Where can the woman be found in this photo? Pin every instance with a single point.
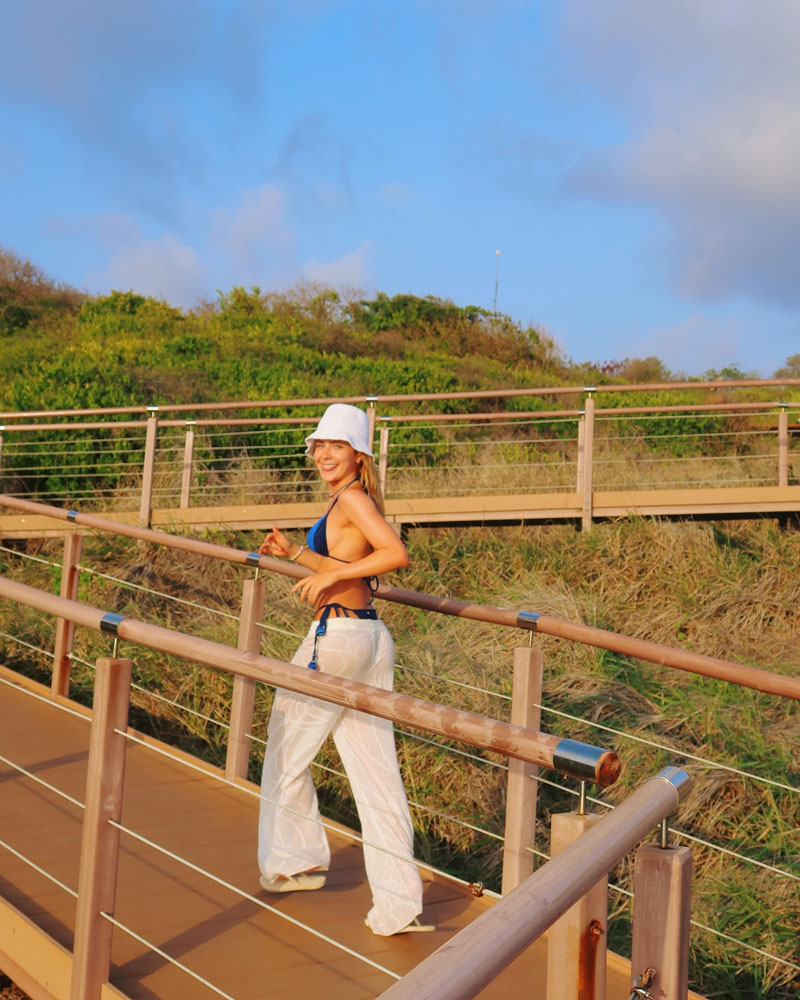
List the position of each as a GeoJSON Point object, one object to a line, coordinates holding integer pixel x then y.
{"type": "Point", "coordinates": [349, 546]}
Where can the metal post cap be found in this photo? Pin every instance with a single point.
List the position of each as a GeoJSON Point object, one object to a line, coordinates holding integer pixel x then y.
{"type": "Point", "coordinates": [678, 778]}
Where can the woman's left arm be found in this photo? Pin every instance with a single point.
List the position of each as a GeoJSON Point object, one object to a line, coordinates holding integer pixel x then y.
{"type": "Point", "coordinates": [388, 551]}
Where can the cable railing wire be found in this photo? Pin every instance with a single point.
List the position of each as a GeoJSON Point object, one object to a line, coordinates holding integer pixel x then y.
{"type": "Point", "coordinates": [422, 807]}
{"type": "Point", "coordinates": [40, 781]}
{"type": "Point", "coordinates": [167, 958]}
{"type": "Point", "coordinates": [60, 705]}
{"type": "Point", "coordinates": [130, 585]}
{"type": "Point", "coordinates": [246, 895]}
{"type": "Point", "coordinates": [37, 868]}
{"type": "Point", "coordinates": [155, 696]}
{"type": "Point", "coordinates": [669, 749]}
{"type": "Point", "coordinates": [30, 557]}
{"type": "Point", "coordinates": [27, 645]}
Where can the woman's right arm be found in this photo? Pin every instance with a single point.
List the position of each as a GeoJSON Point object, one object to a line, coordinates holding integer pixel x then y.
{"type": "Point", "coordinates": [277, 544]}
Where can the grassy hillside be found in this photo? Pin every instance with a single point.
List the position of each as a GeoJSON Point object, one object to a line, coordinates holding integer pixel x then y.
{"type": "Point", "coordinates": [62, 349]}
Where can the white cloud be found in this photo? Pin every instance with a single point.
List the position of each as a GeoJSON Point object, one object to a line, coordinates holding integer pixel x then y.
{"type": "Point", "coordinates": [347, 271]}
{"type": "Point", "coordinates": [257, 231]}
{"type": "Point", "coordinates": [130, 79]}
{"type": "Point", "coordinates": [694, 345]}
{"type": "Point", "coordinates": [164, 269]}
{"type": "Point", "coordinates": [711, 94]}
{"type": "Point", "coordinates": [398, 197]}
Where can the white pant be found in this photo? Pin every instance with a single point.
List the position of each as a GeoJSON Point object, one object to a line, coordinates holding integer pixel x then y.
{"type": "Point", "coordinates": [292, 840]}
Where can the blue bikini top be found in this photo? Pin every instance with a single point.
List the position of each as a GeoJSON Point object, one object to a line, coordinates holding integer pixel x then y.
{"type": "Point", "coordinates": [317, 538]}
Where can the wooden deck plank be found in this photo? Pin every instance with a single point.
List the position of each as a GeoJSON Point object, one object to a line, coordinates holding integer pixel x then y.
{"type": "Point", "coordinates": [241, 947]}
{"type": "Point", "coordinates": [428, 510]}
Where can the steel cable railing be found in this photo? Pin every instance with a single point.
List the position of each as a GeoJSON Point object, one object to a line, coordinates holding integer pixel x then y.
{"type": "Point", "coordinates": [542, 430]}
{"type": "Point", "coordinates": [445, 681]}
{"type": "Point", "coordinates": [674, 751]}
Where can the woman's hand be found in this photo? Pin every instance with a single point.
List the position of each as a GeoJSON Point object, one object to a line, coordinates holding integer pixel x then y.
{"type": "Point", "coordinates": [276, 544]}
{"type": "Point", "coordinates": [313, 587]}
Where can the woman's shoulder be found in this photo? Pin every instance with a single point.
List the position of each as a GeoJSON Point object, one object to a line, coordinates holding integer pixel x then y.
{"type": "Point", "coordinates": [355, 502]}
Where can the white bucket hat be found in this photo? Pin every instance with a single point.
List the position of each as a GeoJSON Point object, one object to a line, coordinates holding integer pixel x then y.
{"type": "Point", "coordinates": [342, 422]}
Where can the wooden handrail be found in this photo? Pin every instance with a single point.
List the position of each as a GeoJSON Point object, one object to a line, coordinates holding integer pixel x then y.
{"type": "Point", "coordinates": [680, 659]}
{"type": "Point", "coordinates": [550, 390]}
{"type": "Point", "coordinates": [464, 965]}
{"type": "Point", "coordinates": [767, 406]}
{"type": "Point", "coordinates": [577, 760]}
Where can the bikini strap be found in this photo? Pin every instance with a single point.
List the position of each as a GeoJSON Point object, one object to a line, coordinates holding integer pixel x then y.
{"type": "Point", "coordinates": [340, 612]}
{"type": "Point", "coordinates": [339, 493]}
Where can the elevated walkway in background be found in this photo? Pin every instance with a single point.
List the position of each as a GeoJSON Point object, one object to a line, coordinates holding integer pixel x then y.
{"type": "Point", "coordinates": [714, 450]}
{"type": "Point", "coordinates": [242, 948]}
{"type": "Point", "coordinates": [515, 508]}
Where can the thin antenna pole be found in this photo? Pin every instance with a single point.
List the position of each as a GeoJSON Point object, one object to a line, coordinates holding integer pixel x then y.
{"type": "Point", "coordinates": [496, 279]}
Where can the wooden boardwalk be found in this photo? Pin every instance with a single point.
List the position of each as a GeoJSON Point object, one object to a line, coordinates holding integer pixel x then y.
{"type": "Point", "coordinates": [515, 508]}
{"type": "Point", "coordinates": [242, 948]}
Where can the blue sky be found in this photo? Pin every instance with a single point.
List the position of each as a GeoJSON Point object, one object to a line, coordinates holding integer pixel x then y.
{"type": "Point", "coordinates": [636, 164]}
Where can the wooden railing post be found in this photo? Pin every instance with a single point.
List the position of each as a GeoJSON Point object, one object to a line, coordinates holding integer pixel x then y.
{"type": "Point", "coordinates": [662, 883]}
{"type": "Point", "coordinates": [588, 448]}
{"type": "Point", "coordinates": [576, 943]}
{"type": "Point", "coordinates": [237, 759]}
{"type": "Point", "coordinates": [520, 827]}
{"type": "Point", "coordinates": [581, 459]}
{"type": "Point", "coordinates": [783, 448]}
{"type": "Point", "coordinates": [146, 504]}
{"type": "Point", "coordinates": [97, 881]}
{"type": "Point", "coordinates": [371, 416]}
{"type": "Point", "coordinates": [188, 455]}
{"type": "Point", "coordinates": [65, 630]}
{"type": "Point", "coordinates": [383, 458]}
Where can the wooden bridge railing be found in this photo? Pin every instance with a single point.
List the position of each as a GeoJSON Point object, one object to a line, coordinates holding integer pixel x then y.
{"type": "Point", "coordinates": [560, 455]}
{"type": "Point", "coordinates": [462, 967]}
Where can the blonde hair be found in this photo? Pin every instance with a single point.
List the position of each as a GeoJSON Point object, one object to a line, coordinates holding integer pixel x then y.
{"type": "Point", "coordinates": [368, 477]}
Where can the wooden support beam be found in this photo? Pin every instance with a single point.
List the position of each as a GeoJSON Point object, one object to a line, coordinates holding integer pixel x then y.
{"type": "Point", "coordinates": [576, 943]}
{"type": "Point", "coordinates": [65, 629]}
{"type": "Point", "coordinates": [520, 826]}
{"type": "Point", "coordinates": [783, 448]}
{"type": "Point", "coordinates": [662, 885]}
{"type": "Point", "coordinates": [97, 882]}
{"type": "Point", "coordinates": [186, 476]}
{"type": "Point", "coordinates": [237, 760]}
{"type": "Point", "coordinates": [148, 469]}
{"type": "Point", "coordinates": [587, 478]}
{"type": "Point", "coordinates": [383, 458]}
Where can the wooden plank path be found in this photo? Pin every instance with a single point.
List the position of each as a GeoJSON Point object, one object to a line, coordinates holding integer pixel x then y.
{"type": "Point", "coordinates": [243, 949]}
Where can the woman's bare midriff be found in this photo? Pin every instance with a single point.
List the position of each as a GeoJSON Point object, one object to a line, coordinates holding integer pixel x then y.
{"type": "Point", "coordinates": [349, 593]}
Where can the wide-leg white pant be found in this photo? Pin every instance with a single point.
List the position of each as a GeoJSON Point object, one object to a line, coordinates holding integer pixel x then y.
{"type": "Point", "coordinates": [290, 836]}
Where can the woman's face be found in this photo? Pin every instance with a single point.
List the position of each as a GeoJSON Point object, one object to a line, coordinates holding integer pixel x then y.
{"type": "Point", "coordinates": [337, 461]}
